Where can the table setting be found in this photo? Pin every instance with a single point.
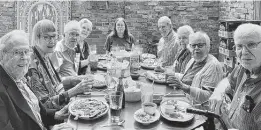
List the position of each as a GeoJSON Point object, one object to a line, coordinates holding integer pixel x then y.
{"type": "Point", "coordinates": [150, 103]}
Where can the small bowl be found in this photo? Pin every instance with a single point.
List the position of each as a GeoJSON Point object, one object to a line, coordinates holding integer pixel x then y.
{"type": "Point", "coordinates": [149, 107]}
{"type": "Point", "coordinates": [135, 76]}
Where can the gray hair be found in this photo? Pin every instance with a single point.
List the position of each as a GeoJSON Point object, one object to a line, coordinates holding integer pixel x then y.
{"type": "Point", "coordinates": [202, 36]}
{"type": "Point", "coordinates": [10, 40]}
{"type": "Point", "coordinates": [85, 20]}
{"type": "Point", "coordinates": [72, 25]}
{"type": "Point", "coordinates": [165, 19]}
{"type": "Point", "coordinates": [185, 29]}
{"type": "Point", "coordinates": [247, 30]}
{"type": "Point", "coordinates": [41, 27]}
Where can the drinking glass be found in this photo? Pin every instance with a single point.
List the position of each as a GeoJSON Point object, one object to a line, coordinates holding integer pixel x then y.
{"type": "Point", "coordinates": [147, 93]}
{"type": "Point", "coordinates": [93, 49]}
{"type": "Point", "coordinates": [115, 99]}
{"type": "Point", "coordinates": [93, 62]}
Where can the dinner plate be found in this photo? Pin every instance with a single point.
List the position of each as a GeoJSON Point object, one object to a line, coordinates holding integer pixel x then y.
{"type": "Point", "coordinates": [83, 107]}
{"type": "Point", "coordinates": [99, 80]}
{"type": "Point", "coordinates": [148, 66]}
{"type": "Point", "coordinates": [156, 76]}
{"type": "Point", "coordinates": [138, 117]}
{"type": "Point", "coordinates": [147, 56]}
{"type": "Point", "coordinates": [179, 115]}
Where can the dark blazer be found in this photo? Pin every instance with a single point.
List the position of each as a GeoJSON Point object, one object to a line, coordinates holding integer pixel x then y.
{"type": "Point", "coordinates": [15, 113]}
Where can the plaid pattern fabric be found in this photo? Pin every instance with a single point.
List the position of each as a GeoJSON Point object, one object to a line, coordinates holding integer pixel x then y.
{"type": "Point", "coordinates": [31, 100]}
{"type": "Point", "coordinates": [168, 49]}
{"type": "Point", "coordinates": [241, 84]}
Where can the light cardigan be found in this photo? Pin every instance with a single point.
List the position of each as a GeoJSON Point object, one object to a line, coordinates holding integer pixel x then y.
{"type": "Point", "coordinates": [205, 80]}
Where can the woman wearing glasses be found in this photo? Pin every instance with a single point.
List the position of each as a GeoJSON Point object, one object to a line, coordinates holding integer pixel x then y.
{"type": "Point", "coordinates": [202, 72]}
{"type": "Point", "coordinates": [119, 37]}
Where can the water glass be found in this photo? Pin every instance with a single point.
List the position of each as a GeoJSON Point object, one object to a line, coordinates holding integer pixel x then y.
{"type": "Point", "coordinates": [147, 93]}
{"type": "Point", "coordinates": [93, 49]}
{"type": "Point", "coordinates": [93, 62]}
{"type": "Point", "coordinates": [115, 99]}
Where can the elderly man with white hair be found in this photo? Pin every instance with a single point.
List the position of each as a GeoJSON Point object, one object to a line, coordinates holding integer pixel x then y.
{"type": "Point", "coordinates": [65, 58]}
{"type": "Point", "coordinates": [243, 84]}
{"type": "Point", "coordinates": [202, 72]}
{"type": "Point", "coordinates": [167, 46]}
{"type": "Point", "coordinates": [19, 107]}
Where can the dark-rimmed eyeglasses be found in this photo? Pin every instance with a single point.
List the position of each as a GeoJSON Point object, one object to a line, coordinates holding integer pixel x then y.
{"type": "Point", "coordinates": [199, 45]}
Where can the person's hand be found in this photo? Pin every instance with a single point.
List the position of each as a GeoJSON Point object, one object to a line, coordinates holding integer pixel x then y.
{"type": "Point", "coordinates": [63, 126]}
{"type": "Point", "coordinates": [173, 81]}
{"type": "Point", "coordinates": [62, 114]}
{"type": "Point", "coordinates": [216, 100]}
{"type": "Point", "coordinates": [84, 86]}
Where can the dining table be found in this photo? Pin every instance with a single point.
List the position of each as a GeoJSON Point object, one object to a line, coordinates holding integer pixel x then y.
{"type": "Point", "coordinates": [127, 113]}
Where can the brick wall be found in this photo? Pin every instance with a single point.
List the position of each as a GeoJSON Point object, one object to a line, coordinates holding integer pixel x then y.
{"type": "Point", "coordinates": [142, 18]}
{"type": "Point", "coordinates": [237, 10]}
{"type": "Point", "coordinates": [7, 17]}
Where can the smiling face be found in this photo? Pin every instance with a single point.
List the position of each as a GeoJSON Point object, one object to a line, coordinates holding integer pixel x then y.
{"type": "Point", "coordinates": [164, 28]}
{"type": "Point", "coordinates": [249, 58]}
{"type": "Point", "coordinates": [86, 29]}
{"type": "Point", "coordinates": [120, 27]}
{"type": "Point", "coordinates": [47, 42]}
{"type": "Point", "coordinates": [17, 60]}
{"type": "Point", "coordinates": [72, 38]}
{"type": "Point", "coordinates": [183, 39]}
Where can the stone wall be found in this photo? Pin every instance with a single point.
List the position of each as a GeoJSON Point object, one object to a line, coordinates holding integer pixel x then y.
{"type": "Point", "coordinates": [7, 17]}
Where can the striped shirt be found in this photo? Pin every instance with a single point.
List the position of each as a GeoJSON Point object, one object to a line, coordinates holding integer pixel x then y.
{"type": "Point", "coordinates": [241, 84]}
{"type": "Point", "coordinates": [168, 49]}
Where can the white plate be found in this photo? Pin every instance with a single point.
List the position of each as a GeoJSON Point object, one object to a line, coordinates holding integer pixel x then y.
{"type": "Point", "coordinates": [87, 100]}
{"type": "Point", "coordinates": [147, 66]}
{"type": "Point", "coordinates": [155, 76]}
{"type": "Point", "coordinates": [153, 119]}
{"type": "Point", "coordinates": [185, 116]}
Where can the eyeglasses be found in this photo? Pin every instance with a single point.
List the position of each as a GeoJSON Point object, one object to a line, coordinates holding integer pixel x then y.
{"type": "Point", "coordinates": [199, 45]}
{"type": "Point", "coordinates": [74, 34]}
{"type": "Point", "coordinates": [21, 52]}
{"type": "Point", "coordinates": [49, 38]}
{"type": "Point", "coordinates": [249, 46]}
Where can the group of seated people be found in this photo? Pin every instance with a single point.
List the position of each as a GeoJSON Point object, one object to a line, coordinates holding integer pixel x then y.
{"type": "Point", "coordinates": [38, 79]}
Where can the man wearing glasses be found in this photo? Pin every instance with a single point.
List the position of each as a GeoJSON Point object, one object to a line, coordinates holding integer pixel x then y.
{"type": "Point", "coordinates": [243, 84]}
{"type": "Point", "coordinates": [202, 72]}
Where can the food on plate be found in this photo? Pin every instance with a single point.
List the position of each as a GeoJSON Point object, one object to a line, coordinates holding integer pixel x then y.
{"type": "Point", "coordinates": [88, 108]}
{"type": "Point", "coordinates": [145, 117]}
{"type": "Point", "coordinates": [158, 77]}
{"type": "Point", "coordinates": [150, 62]}
{"type": "Point", "coordinates": [99, 80]}
{"type": "Point", "coordinates": [174, 110]}
{"type": "Point", "coordinates": [147, 56]}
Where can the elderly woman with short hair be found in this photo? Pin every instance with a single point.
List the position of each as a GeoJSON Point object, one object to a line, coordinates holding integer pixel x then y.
{"type": "Point", "coordinates": [42, 77]}
{"type": "Point", "coordinates": [19, 107]}
{"type": "Point", "coordinates": [202, 72]}
{"type": "Point", "coordinates": [242, 111]}
{"type": "Point", "coordinates": [184, 55]}
{"type": "Point", "coordinates": [120, 36]}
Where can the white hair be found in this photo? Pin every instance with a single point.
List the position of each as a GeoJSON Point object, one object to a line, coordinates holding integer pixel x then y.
{"type": "Point", "coordinates": [85, 20]}
{"type": "Point", "coordinates": [199, 35]}
{"type": "Point", "coordinates": [10, 40]}
{"type": "Point", "coordinates": [247, 30]}
{"type": "Point", "coordinates": [72, 25]}
{"type": "Point", "coordinates": [185, 29]}
{"type": "Point", "coordinates": [165, 19]}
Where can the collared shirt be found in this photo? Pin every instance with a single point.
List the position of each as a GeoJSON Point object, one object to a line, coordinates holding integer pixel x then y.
{"type": "Point", "coordinates": [241, 84]}
{"type": "Point", "coordinates": [31, 100]}
{"type": "Point", "coordinates": [65, 61]}
{"type": "Point", "coordinates": [167, 49]}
